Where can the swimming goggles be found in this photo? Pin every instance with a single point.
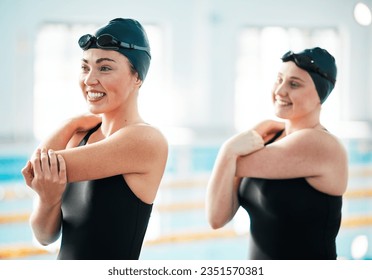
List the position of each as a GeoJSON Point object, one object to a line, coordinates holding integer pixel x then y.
{"type": "Point", "coordinates": [108, 42]}
{"type": "Point", "coordinates": [307, 63]}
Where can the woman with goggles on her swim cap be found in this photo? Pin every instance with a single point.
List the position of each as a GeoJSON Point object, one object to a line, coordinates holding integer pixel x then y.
{"type": "Point", "coordinates": [290, 176]}
{"type": "Point", "coordinates": [97, 176]}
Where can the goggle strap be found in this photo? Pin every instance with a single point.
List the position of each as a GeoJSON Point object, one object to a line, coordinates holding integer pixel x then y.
{"type": "Point", "coordinates": [296, 58]}
{"type": "Point", "coordinates": [133, 46]}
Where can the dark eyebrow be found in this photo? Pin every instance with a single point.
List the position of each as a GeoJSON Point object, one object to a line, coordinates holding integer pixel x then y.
{"type": "Point", "coordinates": [100, 60]}
{"type": "Point", "coordinates": [297, 78]}
{"type": "Point", "coordinates": [104, 59]}
{"type": "Point", "coordinates": [292, 77]}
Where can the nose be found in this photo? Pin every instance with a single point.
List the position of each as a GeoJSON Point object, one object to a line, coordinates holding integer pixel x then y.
{"type": "Point", "coordinates": [280, 89]}
{"type": "Point", "coordinates": [90, 78]}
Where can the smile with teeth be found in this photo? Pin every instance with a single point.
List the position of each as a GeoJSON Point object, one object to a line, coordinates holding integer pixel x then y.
{"type": "Point", "coordinates": [282, 102]}
{"type": "Point", "coordinates": [95, 95]}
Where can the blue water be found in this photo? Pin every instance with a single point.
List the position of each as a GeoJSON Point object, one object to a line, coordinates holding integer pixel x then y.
{"type": "Point", "coordinates": [10, 167]}
{"type": "Point", "coordinates": [15, 233]}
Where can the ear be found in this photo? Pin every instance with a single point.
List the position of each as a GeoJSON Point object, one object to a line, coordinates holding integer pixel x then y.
{"type": "Point", "coordinates": [138, 82]}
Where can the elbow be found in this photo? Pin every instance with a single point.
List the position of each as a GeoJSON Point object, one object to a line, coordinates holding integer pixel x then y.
{"type": "Point", "coordinates": [47, 240]}
{"type": "Point", "coordinates": [216, 224]}
{"type": "Point", "coordinates": [45, 237]}
{"type": "Point", "coordinates": [215, 221]}
{"type": "Point", "coordinates": [44, 242]}
{"type": "Point", "coordinates": [217, 217]}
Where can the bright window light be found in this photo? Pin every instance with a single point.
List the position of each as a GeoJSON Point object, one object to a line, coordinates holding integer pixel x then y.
{"type": "Point", "coordinates": [359, 247]}
{"type": "Point", "coordinates": [362, 14]}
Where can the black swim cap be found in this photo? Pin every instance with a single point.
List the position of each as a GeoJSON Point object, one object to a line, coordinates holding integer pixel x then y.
{"type": "Point", "coordinates": [125, 36]}
{"type": "Point", "coordinates": [320, 65]}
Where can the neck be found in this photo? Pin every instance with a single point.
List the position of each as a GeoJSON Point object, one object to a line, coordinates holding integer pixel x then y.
{"type": "Point", "coordinates": [309, 121]}
{"type": "Point", "coordinates": [113, 121]}
{"type": "Point", "coordinates": [110, 126]}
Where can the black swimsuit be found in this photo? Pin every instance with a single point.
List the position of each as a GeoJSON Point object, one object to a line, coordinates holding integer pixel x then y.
{"type": "Point", "coordinates": [102, 219]}
{"type": "Point", "coordinates": [290, 219]}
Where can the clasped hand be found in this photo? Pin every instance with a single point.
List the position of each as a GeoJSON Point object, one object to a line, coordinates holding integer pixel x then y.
{"type": "Point", "coordinates": [253, 140]}
{"type": "Point", "coordinates": [244, 143]}
{"type": "Point", "coordinates": [45, 173]}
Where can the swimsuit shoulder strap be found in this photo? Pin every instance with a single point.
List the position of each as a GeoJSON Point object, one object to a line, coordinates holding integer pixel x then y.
{"type": "Point", "coordinates": [276, 136]}
{"type": "Point", "coordinates": [90, 132]}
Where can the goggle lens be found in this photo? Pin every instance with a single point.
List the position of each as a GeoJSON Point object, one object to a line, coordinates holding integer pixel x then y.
{"type": "Point", "coordinates": [85, 41]}
{"type": "Point", "coordinates": [108, 42]}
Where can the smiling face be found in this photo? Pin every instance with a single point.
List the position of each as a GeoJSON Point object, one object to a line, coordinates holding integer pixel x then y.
{"type": "Point", "coordinates": [294, 93]}
{"type": "Point", "coordinates": [107, 80]}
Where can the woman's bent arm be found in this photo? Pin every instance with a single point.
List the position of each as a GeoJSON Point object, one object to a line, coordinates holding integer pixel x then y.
{"type": "Point", "coordinates": [222, 197]}
{"type": "Point", "coordinates": [61, 138]}
{"type": "Point", "coordinates": [46, 175]}
{"type": "Point", "coordinates": [45, 221]}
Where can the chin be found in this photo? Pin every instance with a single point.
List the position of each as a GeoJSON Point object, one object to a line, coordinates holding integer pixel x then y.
{"type": "Point", "coordinates": [281, 115]}
{"type": "Point", "coordinates": [94, 111]}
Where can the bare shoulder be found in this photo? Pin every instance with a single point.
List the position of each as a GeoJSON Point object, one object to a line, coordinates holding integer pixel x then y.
{"type": "Point", "coordinates": [148, 156]}
{"type": "Point", "coordinates": [321, 144]}
{"type": "Point", "coordinates": [320, 139]}
{"type": "Point", "coordinates": [145, 132]}
{"type": "Point", "coordinates": [334, 162]}
{"type": "Point", "coordinates": [144, 136]}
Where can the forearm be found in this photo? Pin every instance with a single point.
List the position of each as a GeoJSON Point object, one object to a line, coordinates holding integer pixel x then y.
{"type": "Point", "coordinates": [60, 139]}
{"type": "Point", "coordinates": [222, 200]}
{"type": "Point", "coordinates": [46, 222]}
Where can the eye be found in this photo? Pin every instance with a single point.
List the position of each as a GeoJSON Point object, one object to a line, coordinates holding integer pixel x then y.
{"type": "Point", "coordinates": [294, 84]}
{"type": "Point", "coordinates": [84, 68]}
{"type": "Point", "coordinates": [279, 80]}
{"type": "Point", "coordinates": [105, 68]}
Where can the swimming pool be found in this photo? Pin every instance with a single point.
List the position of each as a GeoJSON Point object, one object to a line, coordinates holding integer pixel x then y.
{"type": "Point", "coordinates": [178, 228]}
